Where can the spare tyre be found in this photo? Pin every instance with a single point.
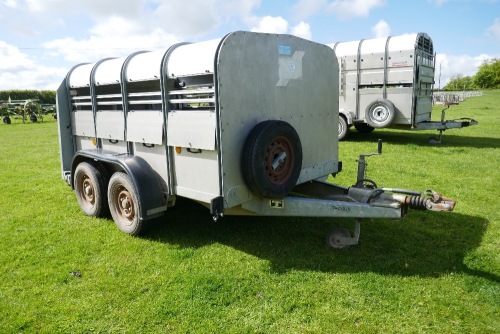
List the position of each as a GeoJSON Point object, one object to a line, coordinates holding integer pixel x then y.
{"type": "Point", "coordinates": [380, 113]}
{"type": "Point", "coordinates": [272, 159]}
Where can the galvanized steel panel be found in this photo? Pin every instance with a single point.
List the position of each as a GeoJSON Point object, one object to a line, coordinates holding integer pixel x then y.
{"type": "Point", "coordinates": [80, 76]}
{"type": "Point", "coordinates": [191, 59]}
{"type": "Point", "coordinates": [110, 125]}
{"type": "Point", "coordinates": [145, 127]}
{"type": "Point", "coordinates": [82, 123]}
{"type": "Point", "coordinates": [192, 129]}
{"type": "Point", "coordinates": [282, 77]}
{"type": "Point", "coordinates": [145, 66]}
{"type": "Point", "coordinates": [109, 71]}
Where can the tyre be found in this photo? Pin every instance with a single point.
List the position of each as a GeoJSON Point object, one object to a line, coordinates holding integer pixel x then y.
{"type": "Point", "coordinates": [90, 189]}
{"type": "Point", "coordinates": [124, 203]}
{"type": "Point", "coordinates": [363, 128]}
{"type": "Point", "coordinates": [272, 159]}
{"type": "Point", "coordinates": [6, 120]}
{"type": "Point", "coordinates": [334, 238]}
{"type": "Point", "coordinates": [343, 127]}
{"type": "Point", "coordinates": [380, 113]}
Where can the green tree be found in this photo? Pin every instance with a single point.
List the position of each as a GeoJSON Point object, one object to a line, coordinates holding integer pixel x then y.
{"type": "Point", "coordinates": [488, 75]}
{"type": "Point", "coordinates": [459, 82]}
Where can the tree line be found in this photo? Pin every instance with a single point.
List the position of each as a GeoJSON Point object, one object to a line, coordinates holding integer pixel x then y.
{"type": "Point", "coordinates": [487, 77]}
{"type": "Point", "coordinates": [43, 96]}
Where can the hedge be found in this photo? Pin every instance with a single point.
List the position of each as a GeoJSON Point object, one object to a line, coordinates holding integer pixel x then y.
{"type": "Point", "coordinates": [43, 96]}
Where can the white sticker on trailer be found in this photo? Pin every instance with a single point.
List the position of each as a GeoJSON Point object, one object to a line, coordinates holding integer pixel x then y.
{"type": "Point", "coordinates": [290, 68]}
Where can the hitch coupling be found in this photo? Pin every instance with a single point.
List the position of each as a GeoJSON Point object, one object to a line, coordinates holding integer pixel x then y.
{"type": "Point", "coordinates": [431, 200]}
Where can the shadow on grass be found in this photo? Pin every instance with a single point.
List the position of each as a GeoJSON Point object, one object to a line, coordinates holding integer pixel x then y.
{"type": "Point", "coordinates": [423, 244]}
{"type": "Point", "coordinates": [419, 138]}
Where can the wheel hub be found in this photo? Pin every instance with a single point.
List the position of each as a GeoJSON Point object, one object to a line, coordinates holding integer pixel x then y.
{"type": "Point", "coordinates": [88, 190]}
{"type": "Point", "coordinates": [126, 204]}
{"type": "Point", "coordinates": [380, 114]}
{"type": "Point", "coordinates": [278, 160]}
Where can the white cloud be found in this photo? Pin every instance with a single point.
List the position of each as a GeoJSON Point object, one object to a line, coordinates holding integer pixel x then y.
{"type": "Point", "coordinates": [302, 30]}
{"type": "Point", "coordinates": [381, 29]}
{"type": "Point", "coordinates": [438, 2]}
{"type": "Point", "coordinates": [19, 71]}
{"type": "Point", "coordinates": [108, 40]}
{"type": "Point", "coordinates": [278, 25]}
{"type": "Point", "coordinates": [343, 9]}
{"type": "Point", "coordinates": [272, 24]}
{"type": "Point", "coordinates": [494, 29]}
{"type": "Point", "coordinates": [10, 3]}
{"type": "Point", "coordinates": [307, 8]}
{"type": "Point", "coordinates": [346, 9]}
{"type": "Point", "coordinates": [450, 66]}
{"type": "Point", "coordinates": [197, 17]}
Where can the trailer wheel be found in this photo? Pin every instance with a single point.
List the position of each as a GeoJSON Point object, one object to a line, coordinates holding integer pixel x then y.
{"type": "Point", "coordinates": [334, 238]}
{"type": "Point", "coordinates": [343, 127]}
{"type": "Point", "coordinates": [363, 128]}
{"type": "Point", "coordinates": [272, 159]}
{"type": "Point", "coordinates": [124, 203]}
{"type": "Point", "coordinates": [90, 189]}
{"type": "Point", "coordinates": [6, 120]}
{"type": "Point", "coordinates": [380, 113]}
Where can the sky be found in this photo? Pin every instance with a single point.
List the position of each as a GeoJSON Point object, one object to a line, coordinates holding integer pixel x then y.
{"type": "Point", "coordinates": [41, 40]}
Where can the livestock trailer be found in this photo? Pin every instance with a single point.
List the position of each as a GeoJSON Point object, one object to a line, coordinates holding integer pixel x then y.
{"type": "Point", "coordinates": [388, 82]}
{"type": "Point", "coordinates": [240, 124]}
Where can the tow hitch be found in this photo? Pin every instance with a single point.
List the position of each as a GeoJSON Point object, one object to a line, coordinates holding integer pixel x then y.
{"type": "Point", "coordinates": [366, 191]}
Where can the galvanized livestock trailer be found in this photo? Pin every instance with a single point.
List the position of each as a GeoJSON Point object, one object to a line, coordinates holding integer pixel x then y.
{"type": "Point", "coordinates": [389, 82]}
{"type": "Point", "coordinates": [241, 124]}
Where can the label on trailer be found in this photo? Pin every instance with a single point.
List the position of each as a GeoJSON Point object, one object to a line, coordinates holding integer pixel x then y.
{"type": "Point", "coordinates": [285, 50]}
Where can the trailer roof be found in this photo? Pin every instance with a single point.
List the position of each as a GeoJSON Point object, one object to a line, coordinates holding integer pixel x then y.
{"type": "Point", "coordinates": [421, 40]}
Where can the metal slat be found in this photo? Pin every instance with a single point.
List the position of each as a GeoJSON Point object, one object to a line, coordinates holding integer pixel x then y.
{"type": "Point", "coordinates": [144, 94]}
{"type": "Point", "coordinates": [191, 91]}
{"type": "Point", "coordinates": [207, 100]}
{"type": "Point", "coordinates": [145, 102]}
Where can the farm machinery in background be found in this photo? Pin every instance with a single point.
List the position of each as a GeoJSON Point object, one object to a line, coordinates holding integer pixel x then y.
{"type": "Point", "coordinates": [29, 110]}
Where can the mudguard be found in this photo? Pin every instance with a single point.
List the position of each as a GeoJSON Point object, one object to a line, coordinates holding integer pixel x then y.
{"type": "Point", "coordinates": [152, 197]}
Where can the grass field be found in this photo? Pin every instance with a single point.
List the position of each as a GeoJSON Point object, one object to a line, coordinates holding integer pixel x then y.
{"type": "Point", "coordinates": [63, 272]}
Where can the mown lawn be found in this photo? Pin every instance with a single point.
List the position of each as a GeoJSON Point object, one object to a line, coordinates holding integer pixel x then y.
{"type": "Point", "coordinates": [63, 272]}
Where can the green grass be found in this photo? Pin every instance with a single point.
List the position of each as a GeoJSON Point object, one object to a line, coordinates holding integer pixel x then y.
{"type": "Point", "coordinates": [63, 272]}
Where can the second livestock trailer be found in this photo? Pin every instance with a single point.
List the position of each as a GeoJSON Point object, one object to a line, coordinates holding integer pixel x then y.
{"type": "Point", "coordinates": [388, 82]}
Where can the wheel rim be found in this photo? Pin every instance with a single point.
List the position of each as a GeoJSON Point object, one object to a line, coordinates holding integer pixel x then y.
{"type": "Point", "coordinates": [125, 205]}
{"type": "Point", "coordinates": [336, 236]}
{"type": "Point", "coordinates": [335, 241]}
{"type": "Point", "coordinates": [341, 129]}
{"type": "Point", "coordinates": [380, 114]}
{"type": "Point", "coordinates": [87, 191]}
{"type": "Point", "coordinates": [279, 160]}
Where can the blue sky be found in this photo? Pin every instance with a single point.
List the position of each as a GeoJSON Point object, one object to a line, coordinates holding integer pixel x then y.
{"type": "Point", "coordinates": [40, 40]}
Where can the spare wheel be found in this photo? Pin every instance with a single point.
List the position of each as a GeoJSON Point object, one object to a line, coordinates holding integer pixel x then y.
{"type": "Point", "coordinates": [380, 113]}
{"type": "Point", "coordinates": [272, 159]}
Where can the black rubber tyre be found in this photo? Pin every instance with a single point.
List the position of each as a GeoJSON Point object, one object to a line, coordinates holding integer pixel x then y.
{"type": "Point", "coordinates": [124, 203]}
{"type": "Point", "coordinates": [6, 120]}
{"type": "Point", "coordinates": [343, 127]}
{"type": "Point", "coordinates": [380, 113]}
{"type": "Point", "coordinates": [333, 238]}
{"type": "Point", "coordinates": [90, 189]}
{"type": "Point", "coordinates": [272, 159]}
{"type": "Point", "coordinates": [363, 128]}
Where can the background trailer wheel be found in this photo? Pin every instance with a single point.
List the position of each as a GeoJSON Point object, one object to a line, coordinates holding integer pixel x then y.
{"type": "Point", "coordinates": [90, 189]}
{"type": "Point", "coordinates": [124, 204]}
{"type": "Point", "coordinates": [380, 113]}
{"type": "Point", "coordinates": [272, 159]}
{"type": "Point", "coordinates": [343, 127]}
